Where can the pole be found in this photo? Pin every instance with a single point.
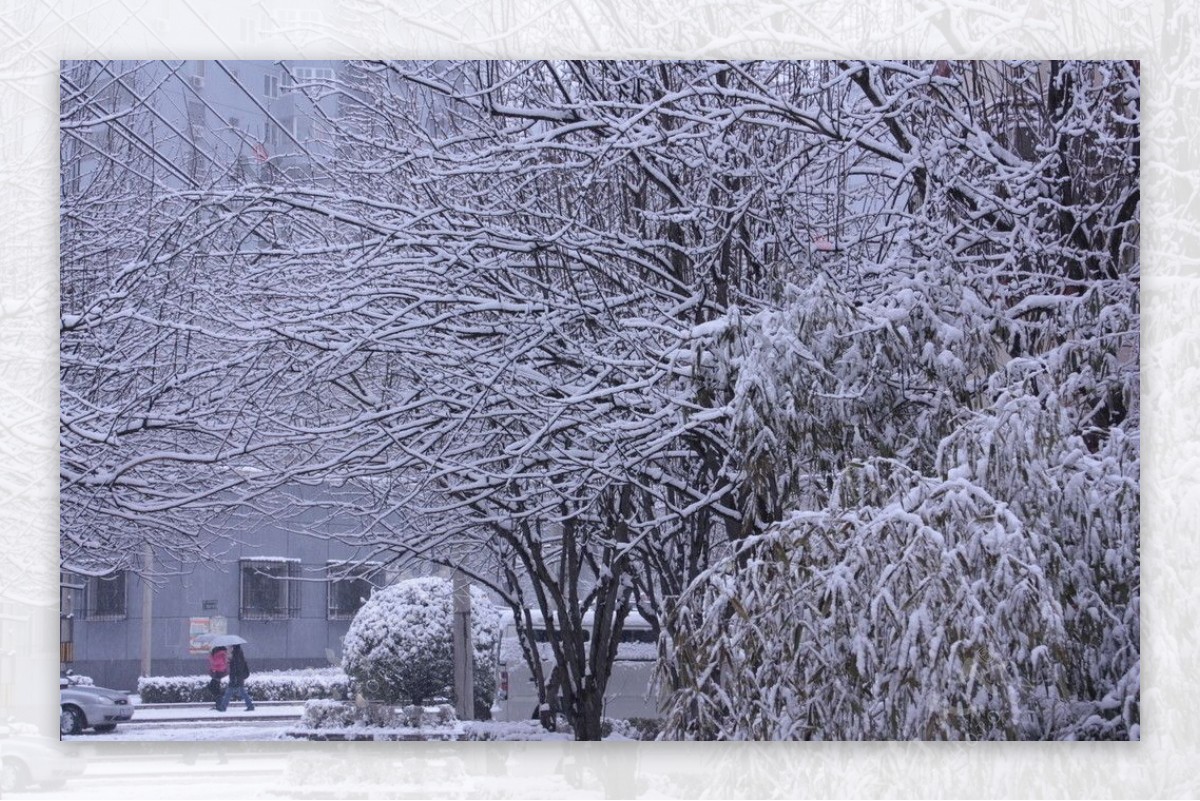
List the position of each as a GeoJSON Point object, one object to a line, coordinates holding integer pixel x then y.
{"type": "Point", "coordinates": [147, 607]}
{"type": "Point", "coordinates": [464, 651]}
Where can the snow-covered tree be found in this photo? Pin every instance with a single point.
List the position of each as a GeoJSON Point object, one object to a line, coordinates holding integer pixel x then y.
{"type": "Point", "coordinates": [600, 329]}
{"type": "Point", "coordinates": [951, 550]}
{"type": "Point", "coordinates": [179, 400]}
{"type": "Point", "coordinates": [133, 392]}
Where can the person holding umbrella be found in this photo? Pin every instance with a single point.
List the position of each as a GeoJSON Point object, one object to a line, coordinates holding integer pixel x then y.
{"type": "Point", "coordinates": [239, 671]}
{"type": "Point", "coordinates": [218, 668]}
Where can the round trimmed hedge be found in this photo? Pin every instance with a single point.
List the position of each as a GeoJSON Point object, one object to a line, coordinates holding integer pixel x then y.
{"type": "Point", "coordinates": [398, 647]}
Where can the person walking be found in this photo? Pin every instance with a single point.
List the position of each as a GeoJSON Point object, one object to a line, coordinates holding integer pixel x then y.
{"type": "Point", "coordinates": [218, 668]}
{"type": "Point", "coordinates": [239, 671]}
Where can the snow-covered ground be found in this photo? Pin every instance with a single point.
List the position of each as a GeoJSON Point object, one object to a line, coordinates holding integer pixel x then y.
{"type": "Point", "coordinates": [239, 731]}
{"type": "Point", "coordinates": [282, 721]}
{"type": "Point", "coordinates": [199, 712]}
{"type": "Point", "coordinates": [184, 722]}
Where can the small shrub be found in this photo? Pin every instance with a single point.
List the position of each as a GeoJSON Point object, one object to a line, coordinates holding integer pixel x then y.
{"type": "Point", "coordinates": [324, 713]}
{"type": "Point", "coordinates": [516, 731]}
{"type": "Point", "coordinates": [413, 715]}
{"type": "Point", "coordinates": [380, 716]}
{"type": "Point", "coordinates": [644, 728]}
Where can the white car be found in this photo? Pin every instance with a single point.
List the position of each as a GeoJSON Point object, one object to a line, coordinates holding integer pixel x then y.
{"type": "Point", "coordinates": [83, 706]}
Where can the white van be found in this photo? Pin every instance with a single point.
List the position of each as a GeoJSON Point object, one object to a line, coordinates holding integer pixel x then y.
{"type": "Point", "coordinates": [628, 692]}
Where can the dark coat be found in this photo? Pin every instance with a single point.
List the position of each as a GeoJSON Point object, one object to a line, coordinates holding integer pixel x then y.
{"type": "Point", "coordinates": [238, 669]}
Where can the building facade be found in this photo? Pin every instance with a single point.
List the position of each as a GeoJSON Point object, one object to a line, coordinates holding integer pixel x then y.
{"type": "Point", "coordinates": [289, 583]}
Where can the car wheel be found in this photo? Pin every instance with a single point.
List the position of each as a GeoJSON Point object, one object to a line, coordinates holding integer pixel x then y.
{"type": "Point", "coordinates": [70, 720]}
{"type": "Point", "coordinates": [13, 776]}
{"type": "Point", "coordinates": [104, 728]}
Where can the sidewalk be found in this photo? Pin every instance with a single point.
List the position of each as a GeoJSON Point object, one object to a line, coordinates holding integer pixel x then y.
{"type": "Point", "coordinates": [263, 710]}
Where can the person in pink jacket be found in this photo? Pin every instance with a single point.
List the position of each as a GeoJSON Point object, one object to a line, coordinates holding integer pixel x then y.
{"type": "Point", "coordinates": [218, 668]}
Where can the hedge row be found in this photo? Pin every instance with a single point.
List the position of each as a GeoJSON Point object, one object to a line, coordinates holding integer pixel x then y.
{"type": "Point", "coordinates": [332, 714]}
{"type": "Point", "coordinates": [383, 722]}
{"type": "Point", "coordinates": [275, 685]}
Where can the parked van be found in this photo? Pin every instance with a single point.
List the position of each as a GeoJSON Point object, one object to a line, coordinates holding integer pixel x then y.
{"type": "Point", "coordinates": [628, 692]}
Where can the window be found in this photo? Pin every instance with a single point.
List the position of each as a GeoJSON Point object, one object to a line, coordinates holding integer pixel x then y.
{"type": "Point", "coordinates": [540, 634]}
{"type": "Point", "coordinates": [305, 74]}
{"type": "Point", "coordinates": [349, 587]}
{"type": "Point", "coordinates": [268, 592]}
{"type": "Point", "coordinates": [271, 86]}
{"type": "Point", "coordinates": [106, 598]}
{"type": "Point", "coordinates": [638, 635]}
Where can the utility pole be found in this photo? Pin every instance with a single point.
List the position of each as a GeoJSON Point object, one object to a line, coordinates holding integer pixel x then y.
{"type": "Point", "coordinates": [147, 607]}
{"type": "Point", "coordinates": [464, 650]}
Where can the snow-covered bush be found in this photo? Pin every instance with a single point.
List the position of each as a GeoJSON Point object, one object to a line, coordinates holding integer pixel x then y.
{"type": "Point", "coordinates": [951, 548]}
{"type": "Point", "coordinates": [329, 714]}
{"type": "Point", "coordinates": [274, 685]}
{"type": "Point", "coordinates": [398, 647]}
{"type": "Point", "coordinates": [424, 717]}
{"type": "Point", "coordinates": [509, 731]}
{"type": "Point", "coordinates": [323, 713]}
{"type": "Point", "coordinates": [173, 689]}
{"type": "Point", "coordinates": [926, 619]}
{"type": "Point", "coordinates": [284, 685]}
{"type": "Point", "coordinates": [631, 728]}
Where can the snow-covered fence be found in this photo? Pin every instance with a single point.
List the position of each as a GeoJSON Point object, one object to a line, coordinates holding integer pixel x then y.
{"type": "Point", "coordinates": [276, 685]}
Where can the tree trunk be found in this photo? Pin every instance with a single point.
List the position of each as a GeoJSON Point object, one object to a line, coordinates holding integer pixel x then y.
{"type": "Point", "coordinates": [586, 713]}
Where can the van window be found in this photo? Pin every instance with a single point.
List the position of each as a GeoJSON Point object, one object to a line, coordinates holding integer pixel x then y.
{"type": "Point", "coordinates": [638, 635]}
{"type": "Point", "coordinates": [541, 635]}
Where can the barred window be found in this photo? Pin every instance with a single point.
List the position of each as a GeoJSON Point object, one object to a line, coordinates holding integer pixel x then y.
{"type": "Point", "coordinates": [313, 74]}
{"type": "Point", "coordinates": [268, 589]}
{"type": "Point", "coordinates": [350, 585]}
{"type": "Point", "coordinates": [106, 597]}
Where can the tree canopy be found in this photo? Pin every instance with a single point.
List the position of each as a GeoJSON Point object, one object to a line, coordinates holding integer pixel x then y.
{"type": "Point", "coordinates": [631, 334]}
